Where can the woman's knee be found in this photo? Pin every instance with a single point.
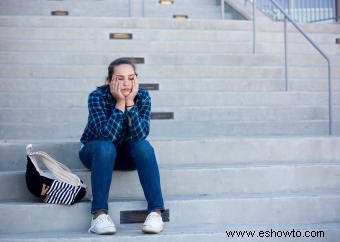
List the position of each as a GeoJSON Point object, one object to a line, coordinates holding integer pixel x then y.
{"type": "Point", "coordinates": [103, 150]}
{"type": "Point", "coordinates": [99, 152]}
{"type": "Point", "coordinates": [143, 154]}
{"type": "Point", "coordinates": [141, 147]}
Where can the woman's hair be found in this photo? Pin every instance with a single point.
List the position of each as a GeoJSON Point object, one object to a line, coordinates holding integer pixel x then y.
{"type": "Point", "coordinates": [117, 62]}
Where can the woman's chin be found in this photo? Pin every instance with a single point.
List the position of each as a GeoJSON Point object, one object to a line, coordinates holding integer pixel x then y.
{"type": "Point", "coordinates": [125, 94]}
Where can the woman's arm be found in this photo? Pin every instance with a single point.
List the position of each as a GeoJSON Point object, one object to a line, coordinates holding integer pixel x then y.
{"type": "Point", "coordinates": [139, 116]}
{"type": "Point", "coordinates": [108, 128]}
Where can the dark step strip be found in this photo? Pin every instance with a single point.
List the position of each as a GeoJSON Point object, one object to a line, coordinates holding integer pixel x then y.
{"type": "Point", "coordinates": [180, 16]}
{"type": "Point", "coordinates": [120, 36]}
{"type": "Point", "coordinates": [162, 115]}
{"type": "Point", "coordinates": [166, 2]}
{"type": "Point", "coordinates": [59, 13]}
{"type": "Point", "coordinates": [139, 216]}
{"type": "Point", "coordinates": [136, 60]}
{"type": "Point", "coordinates": [150, 86]}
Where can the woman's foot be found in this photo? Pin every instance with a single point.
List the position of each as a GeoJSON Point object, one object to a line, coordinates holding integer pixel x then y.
{"type": "Point", "coordinates": [153, 223]}
{"type": "Point", "coordinates": [102, 224]}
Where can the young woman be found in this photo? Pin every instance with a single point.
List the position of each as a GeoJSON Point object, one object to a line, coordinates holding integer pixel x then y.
{"type": "Point", "coordinates": [114, 139]}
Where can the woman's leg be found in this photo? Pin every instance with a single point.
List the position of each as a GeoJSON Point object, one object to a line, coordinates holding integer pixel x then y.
{"type": "Point", "coordinates": [142, 154]}
{"type": "Point", "coordinates": [99, 156]}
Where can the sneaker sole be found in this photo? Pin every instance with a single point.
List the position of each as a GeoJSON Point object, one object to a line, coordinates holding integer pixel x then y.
{"type": "Point", "coordinates": [151, 231]}
{"type": "Point", "coordinates": [104, 232]}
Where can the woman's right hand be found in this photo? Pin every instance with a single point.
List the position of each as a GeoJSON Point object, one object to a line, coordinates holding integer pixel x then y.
{"type": "Point", "coordinates": [117, 94]}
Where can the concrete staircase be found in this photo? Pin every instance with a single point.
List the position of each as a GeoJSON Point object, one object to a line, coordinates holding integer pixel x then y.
{"type": "Point", "coordinates": [216, 185]}
{"type": "Point", "coordinates": [206, 84]}
{"type": "Point", "coordinates": [240, 153]}
{"type": "Point", "coordinates": [196, 9]}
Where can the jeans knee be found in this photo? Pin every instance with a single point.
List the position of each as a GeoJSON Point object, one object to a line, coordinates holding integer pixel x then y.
{"type": "Point", "coordinates": [141, 148]}
{"type": "Point", "coordinates": [143, 154]}
{"type": "Point", "coordinates": [104, 151]}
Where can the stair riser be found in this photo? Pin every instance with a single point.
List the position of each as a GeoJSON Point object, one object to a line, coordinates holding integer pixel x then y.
{"type": "Point", "coordinates": [52, 218]}
{"type": "Point", "coordinates": [147, 23]}
{"type": "Point", "coordinates": [53, 58]}
{"type": "Point", "coordinates": [157, 47]}
{"type": "Point", "coordinates": [36, 116]}
{"type": "Point", "coordinates": [173, 130]}
{"type": "Point", "coordinates": [158, 35]}
{"type": "Point", "coordinates": [220, 236]}
{"type": "Point", "coordinates": [239, 150]}
{"type": "Point", "coordinates": [188, 85]}
{"type": "Point", "coordinates": [171, 99]}
{"type": "Point", "coordinates": [299, 178]}
{"type": "Point", "coordinates": [263, 72]}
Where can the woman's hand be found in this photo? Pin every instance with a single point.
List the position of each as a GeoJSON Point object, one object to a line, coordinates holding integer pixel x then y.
{"type": "Point", "coordinates": [116, 92]}
{"type": "Point", "coordinates": [129, 100]}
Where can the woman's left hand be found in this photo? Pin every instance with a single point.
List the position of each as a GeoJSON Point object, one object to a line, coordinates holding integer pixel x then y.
{"type": "Point", "coordinates": [129, 100]}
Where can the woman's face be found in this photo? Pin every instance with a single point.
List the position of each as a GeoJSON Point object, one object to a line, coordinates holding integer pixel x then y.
{"type": "Point", "coordinates": [124, 74]}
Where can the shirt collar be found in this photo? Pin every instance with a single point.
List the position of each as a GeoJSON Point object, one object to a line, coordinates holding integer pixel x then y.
{"type": "Point", "coordinates": [105, 91]}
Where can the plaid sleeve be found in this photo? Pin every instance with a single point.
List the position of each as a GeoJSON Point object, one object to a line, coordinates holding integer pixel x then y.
{"type": "Point", "coordinates": [105, 127]}
{"type": "Point", "coordinates": [139, 117]}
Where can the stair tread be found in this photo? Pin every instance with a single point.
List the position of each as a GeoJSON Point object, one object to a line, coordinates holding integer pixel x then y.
{"type": "Point", "coordinates": [188, 198]}
{"type": "Point", "coordinates": [134, 230]}
{"type": "Point", "coordinates": [208, 166]}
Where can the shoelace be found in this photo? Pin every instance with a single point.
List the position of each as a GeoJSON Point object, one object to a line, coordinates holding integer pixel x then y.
{"type": "Point", "coordinates": [101, 218]}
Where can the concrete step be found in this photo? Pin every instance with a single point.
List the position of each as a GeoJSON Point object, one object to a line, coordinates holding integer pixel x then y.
{"type": "Point", "coordinates": [249, 209]}
{"type": "Point", "coordinates": [249, 178]}
{"type": "Point", "coordinates": [73, 99]}
{"type": "Point", "coordinates": [112, 46]}
{"type": "Point", "coordinates": [81, 58]}
{"type": "Point", "coordinates": [181, 151]}
{"type": "Point", "coordinates": [32, 3]}
{"type": "Point", "coordinates": [166, 85]}
{"type": "Point", "coordinates": [296, 48]}
{"type": "Point", "coordinates": [102, 4]}
{"type": "Point", "coordinates": [57, 115]}
{"type": "Point", "coordinates": [183, 71]}
{"type": "Point", "coordinates": [177, 129]}
{"type": "Point", "coordinates": [198, 10]}
{"type": "Point", "coordinates": [237, 128]}
{"type": "Point", "coordinates": [23, 11]}
{"type": "Point", "coordinates": [159, 46]}
{"type": "Point", "coordinates": [58, 3]}
{"type": "Point", "coordinates": [228, 85]}
{"type": "Point", "coordinates": [147, 23]}
{"type": "Point", "coordinates": [180, 71]}
{"type": "Point", "coordinates": [213, 233]}
{"type": "Point", "coordinates": [143, 23]}
{"type": "Point", "coordinates": [100, 9]}
{"type": "Point", "coordinates": [139, 34]}
{"type": "Point", "coordinates": [148, 71]}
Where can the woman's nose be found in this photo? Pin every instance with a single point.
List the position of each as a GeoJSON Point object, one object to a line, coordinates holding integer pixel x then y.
{"type": "Point", "coordinates": [125, 82]}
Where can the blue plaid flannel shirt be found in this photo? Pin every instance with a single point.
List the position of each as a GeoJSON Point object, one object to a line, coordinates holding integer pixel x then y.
{"type": "Point", "coordinates": [105, 122]}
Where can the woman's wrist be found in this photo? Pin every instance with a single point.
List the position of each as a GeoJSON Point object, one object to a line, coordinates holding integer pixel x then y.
{"type": "Point", "coordinates": [120, 105]}
{"type": "Point", "coordinates": [129, 104]}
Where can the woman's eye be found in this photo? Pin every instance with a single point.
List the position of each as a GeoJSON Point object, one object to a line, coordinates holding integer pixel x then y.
{"type": "Point", "coordinates": [131, 78]}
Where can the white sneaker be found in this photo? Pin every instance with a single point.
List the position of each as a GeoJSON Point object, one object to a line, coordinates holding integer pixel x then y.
{"type": "Point", "coordinates": [103, 224]}
{"type": "Point", "coordinates": [153, 223]}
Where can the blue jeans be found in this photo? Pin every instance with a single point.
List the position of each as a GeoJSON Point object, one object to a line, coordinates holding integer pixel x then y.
{"type": "Point", "coordinates": [102, 157]}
